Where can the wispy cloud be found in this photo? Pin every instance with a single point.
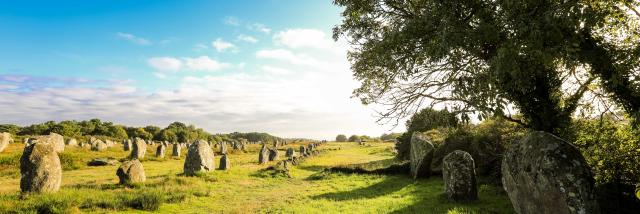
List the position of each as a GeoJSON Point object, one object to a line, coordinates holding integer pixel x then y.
{"type": "Point", "coordinates": [259, 27]}
{"type": "Point", "coordinates": [220, 45]}
{"type": "Point", "coordinates": [133, 38]}
{"type": "Point", "coordinates": [303, 38]}
{"type": "Point", "coordinates": [287, 56]}
{"type": "Point", "coordinates": [230, 20]}
{"type": "Point", "coordinates": [172, 64]}
{"type": "Point", "coordinates": [246, 38]}
{"type": "Point", "coordinates": [165, 63]}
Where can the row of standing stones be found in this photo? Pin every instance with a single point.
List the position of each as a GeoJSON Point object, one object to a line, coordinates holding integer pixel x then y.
{"type": "Point", "coordinates": [540, 174]}
{"type": "Point", "coordinates": [41, 170]}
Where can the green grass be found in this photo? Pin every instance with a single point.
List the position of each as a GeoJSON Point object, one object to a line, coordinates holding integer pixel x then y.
{"type": "Point", "coordinates": [245, 188]}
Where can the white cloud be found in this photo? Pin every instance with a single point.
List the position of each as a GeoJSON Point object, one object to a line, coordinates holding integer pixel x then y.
{"type": "Point", "coordinates": [133, 38]}
{"type": "Point", "coordinates": [220, 45]}
{"type": "Point", "coordinates": [276, 70]}
{"type": "Point", "coordinates": [246, 38]}
{"type": "Point", "coordinates": [288, 56]}
{"type": "Point", "coordinates": [204, 63]}
{"type": "Point", "coordinates": [259, 27]}
{"type": "Point", "coordinates": [165, 63]}
{"type": "Point", "coordinates": [230, 20]}
{"type": "Point", "coordinates": [171, 64]}
{"type": "Point", "coordinates": [303, 38]}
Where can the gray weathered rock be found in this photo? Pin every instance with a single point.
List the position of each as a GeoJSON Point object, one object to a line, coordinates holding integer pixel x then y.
{"type": "Point", "coordinates": [263, 156]}
{"type": "Point", "coordinates": [459, 175]}
{"type": "Point", "coordinates": [130, 172]}
{"type": "Point", "coordinates": [290, 152]}
{"type": "Point", "coordinates": [274, 155]}
{"type": "Point", "coordinates": [199, 158]}
{"type": "Point", "coordinates": [486, 155]}
{"type": "Point", "coordinates": [71, 142]}
{"type": "Point", "coordinates": [109, 143]}
{"type": "Point", "coordinates": [126, 144]}
{"type": "Point", "coordinates": [102, 162]}
{"type": "Point", "coordinates": [139, 149]}
{"type": "Point", "coordinates": [98, 145]}
{"type": "Point", "coordinates": [175, 150]}
{"type": "Point", "coordinates": [56, 140]}
{"type": "Point", "coordinates": [40, 168]}
{"type": "Point", "coordinates": [160, 150]}
{"type": "Point", "coordinates": [303, 151]}
{"type": "Point", "coordinates": [421, 154]}
{"type": "Point", "coordinates": [5, 139]}
{"type": "Point", "coordinates": [224, 162]}
{"type": "Point", "coordinates": [223, 148]}
{"type": "Point", "coordinates": [544, 174]}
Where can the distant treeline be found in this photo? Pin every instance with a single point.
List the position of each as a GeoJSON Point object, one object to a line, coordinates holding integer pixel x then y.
{"type": "Point", "coordinates": [175, 132]}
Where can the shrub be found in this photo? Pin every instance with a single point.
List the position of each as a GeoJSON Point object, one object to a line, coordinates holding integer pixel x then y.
{"type": "Point", "coordinates": [147, 200]}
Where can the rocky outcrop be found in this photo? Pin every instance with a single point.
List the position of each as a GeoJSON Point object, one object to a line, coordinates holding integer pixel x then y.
{"type": "Point", "coordinates": [5, 139]}
{"type": "Point", "coordinates": [421, 154]}
{"type": "Point", "coordinates": [459, 175]}
{"type": "Point", "coordinates": [40, 168]}
{"type": "Point", "coordinates": [56, 140]}
{"type": "Point", "coordinates": [544, 174]}
{"type": "Point", "coordinates": [131, 172]}
{"type": "Point", "coordinates": [199, 158]}
{"type": "Point", "coordinates": [139, 149]}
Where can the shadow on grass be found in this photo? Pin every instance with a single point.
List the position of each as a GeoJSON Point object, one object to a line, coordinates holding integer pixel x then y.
{"type": "Point", "coordinates": [428, 197]}
{"type": "Point", "coordinates": [387, 186]}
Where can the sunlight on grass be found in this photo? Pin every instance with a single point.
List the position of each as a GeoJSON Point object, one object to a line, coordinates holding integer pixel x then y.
{"type": "Point", "coordinates": [243, 189]}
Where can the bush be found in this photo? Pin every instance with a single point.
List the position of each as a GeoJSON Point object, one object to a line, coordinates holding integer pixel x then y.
{"type": "Point", "coordinates": [70, 162]}
{"type": "Point", "coordinates": [425, 120]}
{"type": "Point", "coordinates": [147, 200]}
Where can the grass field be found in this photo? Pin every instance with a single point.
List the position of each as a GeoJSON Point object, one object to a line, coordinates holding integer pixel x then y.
{"type": "Point", "coordinates": [245, 188]}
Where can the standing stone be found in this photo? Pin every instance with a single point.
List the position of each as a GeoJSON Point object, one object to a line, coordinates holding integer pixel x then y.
{"type": "Point", "coordinates": [126, 144]}
{"type": "Point", "coordinates": [223, 148]}
{"type": "Point", "coordinates": [263, 156]}
{"type": "Point", "coordinates": [98, 145]}
{"type": "Point", "coordinates": [56, 140]}
{"type": "Point", "coordinates": [5, 139]}
{"type": "Point", "coordinates": [224, 162]}
{"type": "Point", "coordinates": [160, 150]}
{"type": "Point", "coordinates": [421, 155]}
{"type": "Point", "coordinates": [130, 172]}
{"type": "Point", "coordinates": [544, 174]}
{"type": "Point", "coordinates": [71, 142]}
{"type": "Point", "coordinates": [290, 152]}
{"type": "Point", "coordinates": [139, 149]}
{"type": "Point", "coordinates": [40, 168]}
{"type": "Point", "coordinates": [303, 151]}
{"type": "Point", "coordinates": [109, 143]}
{"type": "Point", "coordinates": [459, 175]}
{"type": "Point", "coordinates": [176, 150]}
{"type": "Point", "coordinates": [199, 158]}
{"type": "Point", "coordinates": [273, 154]}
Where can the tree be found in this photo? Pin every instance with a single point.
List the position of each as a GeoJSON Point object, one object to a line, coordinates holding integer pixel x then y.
{"type": "Point", "coordinates": [67, 128]}
{"type": "Point", "coordinates": [10, 128]}
{"type": "Point", "coordinates": [426, 119]}
{"type": "Point", "coordinates": [341, 138]}
{"type": "Point", "coordinates": [354, 138]}
{"type": "Point", "coordinates": [487, 57]}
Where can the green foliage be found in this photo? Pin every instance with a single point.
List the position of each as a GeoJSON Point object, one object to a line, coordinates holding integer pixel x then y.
{"type": "Point", "coordinates": [10, 128]}
{"type": "Point", "coordinates": [611, 147]}
{"type": "Point", "coordinates": [424, 120]}
{"type": "Point", "coordinates": [483, 57]}
{"type": "Point", "coordinates": [390, 136]}
{"type": "Point", "coordinates": [354, 138]}
{"type": "Point", "coordinates": [341, 138]}
{"type": "Point", "coordinates": [147, 200]}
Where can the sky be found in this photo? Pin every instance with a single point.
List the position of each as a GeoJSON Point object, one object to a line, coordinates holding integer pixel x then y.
{"type": "Point", "coordinates": [263, 65]}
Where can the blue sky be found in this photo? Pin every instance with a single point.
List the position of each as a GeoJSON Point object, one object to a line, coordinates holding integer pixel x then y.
{"type": "Point", "coordinates": [267, 65]}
